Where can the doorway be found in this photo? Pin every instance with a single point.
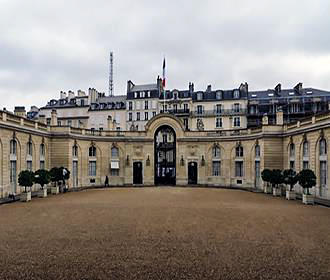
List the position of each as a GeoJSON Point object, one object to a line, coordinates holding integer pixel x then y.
{"type": "Point", "coordinates": [192, 173]}
{"type": "Point", "coordinates": [137, 173]}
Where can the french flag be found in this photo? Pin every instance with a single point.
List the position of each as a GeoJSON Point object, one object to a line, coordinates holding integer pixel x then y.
{"type": "Point", "coordinates": [164, 79]}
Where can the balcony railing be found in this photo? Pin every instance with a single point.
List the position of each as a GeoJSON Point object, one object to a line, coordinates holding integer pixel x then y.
{"type": "Point", "coordinates": [224, 112]}
{"type": "Point", "coordinates": [176, 111]}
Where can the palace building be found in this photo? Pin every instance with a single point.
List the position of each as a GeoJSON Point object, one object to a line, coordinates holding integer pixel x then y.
{"type": "Point", "coordinates": [183, 144]}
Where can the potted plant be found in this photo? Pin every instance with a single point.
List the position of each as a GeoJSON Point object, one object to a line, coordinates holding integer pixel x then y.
{"type": "Point", "coordinates": [276, 181]}
{"type": "Point", "coordinates": [42, 178]}
{"type": "Point", "coordinates": [55, 177]}
{"type": "Point", "coordinates": [26, 179]}
{"type": "Point", "coordinates": [290, 179]}
{"type": "Point", "coordinates": [307, 180]}
{"type": "Point", "coordinates": [265, 175]}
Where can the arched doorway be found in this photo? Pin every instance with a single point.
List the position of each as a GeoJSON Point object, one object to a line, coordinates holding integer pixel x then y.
{"type": "Point", "coordinates": [165, 156]}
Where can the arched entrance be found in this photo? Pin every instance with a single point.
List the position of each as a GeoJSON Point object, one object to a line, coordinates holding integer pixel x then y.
{"type": "Point", "coordinates": [165, 156]}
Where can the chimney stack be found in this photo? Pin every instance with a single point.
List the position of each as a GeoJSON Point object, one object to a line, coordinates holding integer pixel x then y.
{"type": "Point", "coordinates": [53, 121]}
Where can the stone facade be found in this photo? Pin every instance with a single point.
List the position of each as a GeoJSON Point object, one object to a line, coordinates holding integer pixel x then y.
{"type": "Point", "coordinates": [227, 158]}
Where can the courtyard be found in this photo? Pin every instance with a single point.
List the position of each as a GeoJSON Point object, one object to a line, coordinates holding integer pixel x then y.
{"type": "Point", "coordinates": [164, 233]}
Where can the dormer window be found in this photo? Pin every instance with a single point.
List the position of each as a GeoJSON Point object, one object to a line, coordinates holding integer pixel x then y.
{"type": "Point", "coordinates": [200, 96]}
{"type": "Point", "coordinates": [218, 95]}
{"type": "Point", "coordinates": [236, 94]}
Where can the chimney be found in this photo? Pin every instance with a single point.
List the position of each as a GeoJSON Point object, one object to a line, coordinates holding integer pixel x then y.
{"type": "Point", "coordinates": [298, 88]}
{"type": "Point", "coordinates": [42, 119]}
{"type": "Point", "coordinates": [278, 89]}
{"type": "Point", "coordinates": [62, 94]}
{"type": "Point", "coordinates": [110, 123]}
{"type": "Point", "coordinates": [191, 87]}
{"type": "Point", "coordinates": [209, 88]}
{"type": "Point", "coordinates": [244, 87]}
{"type": "Point", "coordinates": [53, 121]}
{"type": "Point", "coordinates": [279, 117]}
{"type": "Point", "coordinates": [130, 85]}
{"type": "Point", "coordinates": [70, 94]}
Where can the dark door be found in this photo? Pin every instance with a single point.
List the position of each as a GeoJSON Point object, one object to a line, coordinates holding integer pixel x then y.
{"type": "Point", "coordinates": [137, 172]}
{"type": "Point", "coordinates": [192, 173]}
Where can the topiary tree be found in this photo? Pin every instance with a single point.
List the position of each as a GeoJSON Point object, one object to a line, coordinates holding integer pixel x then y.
{"type": "Point", "coordinates": [26, 178]}
{"type": "Point", "coordinates": [55, 175]}
{"type": "Point", "coordinates": [42, 177]}
{"type": "Point", "coordinates": [290, 178]}
{"type": "Point", "coordinates": [307, 179]}
{"type": "Point", "coordinates": [276, 177]}
{"type": "Point", "coordinates": [266, 175]}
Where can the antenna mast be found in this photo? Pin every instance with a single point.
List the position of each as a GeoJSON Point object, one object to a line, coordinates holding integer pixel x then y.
{"type": "Point", "coordinates": [111, 75]}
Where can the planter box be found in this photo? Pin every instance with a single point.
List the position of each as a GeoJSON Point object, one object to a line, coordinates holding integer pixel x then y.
{"type": "Point", "coordinates": [308, 199]}
{"type": "Point", "coordinates": [277, 192]}
{"type": "Point", "coordinates": [55, 190]}
{"type": "Point", "coordinates": [290, 195]}
{"type": "Point", "coordinates": [25, 196]}
{"type": "Point", "coordinates": [267, 189]}
{"type": "Point", "coordinates": [42, 193]}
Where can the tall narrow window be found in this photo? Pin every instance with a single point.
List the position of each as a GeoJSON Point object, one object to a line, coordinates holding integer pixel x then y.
{"type": "Point", "coordinates": [13, 147]}
{"type": "Point", "coordinates": [305, 149]}
{"type": "Point", "coordinates": [114, 164]}
{"type": "Point", "coordinates": [216, 163]}
{"type": "Point", "coordinates": [239, 168]}
{"type": "Point", "coordinates": [257, 151]}
{"type": "Point", "coordinates": [92, 151]}
{"type": "Point", "coordinates": [239, 151]}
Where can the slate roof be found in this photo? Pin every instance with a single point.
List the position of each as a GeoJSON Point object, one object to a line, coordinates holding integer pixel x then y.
{"type": "Point", "coordinates": [144, 87]}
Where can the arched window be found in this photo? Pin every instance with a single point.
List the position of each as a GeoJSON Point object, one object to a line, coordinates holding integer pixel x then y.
{"type": "Point", "coordinates": [257, 151]}
{"type": "Point", "coordinates": [323, 147]}
{"type": "Point", "coordinates": [114, 152]}
{"type": "Point", "coordinates": [13, 147]}
{"type": "Point", "coordinates": [239, 151]}
{"type": "Point", "coordinates": [75, 151]}
{"type": "Point", "coordinates": [305, 149]}
{"type": "Point", "coordinates": [292, 150]}
{"type": "Point", "coordinates": [92, 151]}
{"type": "Point", "coordinates": [29, 148]}
{"type": "Point", "coordinates": [216, 163]}
{"type": "Point", "coordinates": [216, 152]}
{"type": "Point", "coordinates": [42, 150]}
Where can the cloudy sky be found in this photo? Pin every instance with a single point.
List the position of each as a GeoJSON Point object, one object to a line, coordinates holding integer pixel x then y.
{"type": "Point", "coordinates": [47, 46]}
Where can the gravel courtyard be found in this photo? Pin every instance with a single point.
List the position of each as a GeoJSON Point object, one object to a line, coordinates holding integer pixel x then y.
{"type": "Point", "coordinates": [164, 233]}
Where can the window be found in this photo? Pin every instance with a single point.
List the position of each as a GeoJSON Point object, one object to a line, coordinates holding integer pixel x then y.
{"type": "Point", "coordinates": [114, 172]}
{"type": "Point", "coordinates": [130, 105]}
{"type": "Point", "coordinates": [13, 170]}
{"type": "Point", "coordinates": [216, 152]}
{"type": "Point", "coordinates": [239, 168]}
{"type": "Point", "coordinates": [146, 116]}
{"type": "Point", "coordinates": [153, 114]}
{"type": "Point", "coordinates": [92, 168]}
{"type": "Point", "coordinates": [175, 95]}
{"type": "Point", "coordinates": [218, 122]}
{"type": "Point", "coordinates": [305, 164]}
{"type": "Point", "coordinates": [185, 123]}
{"type": "Point", "coordinates": [200, 109]}
{"type": "Point", "coordinates": [138, 116]}
{"type": "Point", "coordinates": [29, 165]}
{"type": "Point", "coordinates": [130, 117]}
{"type": "Point", "coordinates": [257, 151]}
{"type": "Point", "coordinates": [236, 108]}
{"type": "Point", "coordinates": [199, 96]}
{"type": "Point", "coordinates": [237, 121]}
{"type": "Point", "coordinates": [82, 102]}
{"type": "Point", "coordinates": [114, 152]}
{"type": "Point", "coordinates": [92, 151]}
{"type": "Point", "coordinates": [236, 94]}
{"type": "Point", "coordinates": [42, 150]}
{"type": "Point", "coordinates": [42, 164]}
{"type": "Point", "coordinates": [323, 147]}
{"type": "Point", "coordinates": [292, 150]}
{"type": "Point", "coordinates": [218, 108]}
{"type": "Point", "coordinates": [75, 151]}
{"type": "Point", "coordinates": [146, 105]}
{"type": "Point", "coordinates": [69, 122]}
{"type": "Point", "coordinates": [13, 147]}
{"type": "Point", "coordinates": [29, 148]}
{"type": "Point", "coordinates": [218, 95]}
{"type": "Point", "coordinates": [48, 121]}
{"type": "Point", "coordinates": [185, 107]}
{"type": "Point", "coordinates": [305, 149]}
{"type": "Point", "coordinates": [323, 173]}
{"type": "Point", "coordinates": [216, 167]}
{"type": "Point", "coordinates": [239, 151]}
{"type": "Point", "coordinates": [292, 165]}
{"type": "Point", "coordinates": [59, 123]}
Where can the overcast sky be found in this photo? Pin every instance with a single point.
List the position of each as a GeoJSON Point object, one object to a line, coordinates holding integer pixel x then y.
{"type": "Point", "coordinates": [47, 46]}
